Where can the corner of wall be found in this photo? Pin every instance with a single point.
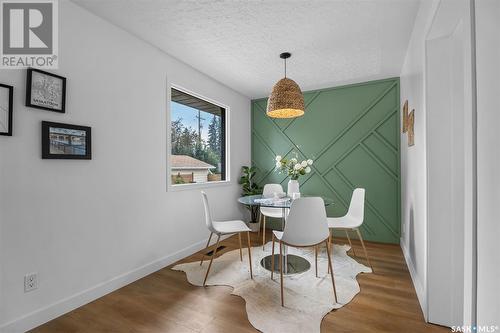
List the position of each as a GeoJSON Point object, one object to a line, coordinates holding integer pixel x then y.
{"type": "Point", "coordinates": [418, 285]}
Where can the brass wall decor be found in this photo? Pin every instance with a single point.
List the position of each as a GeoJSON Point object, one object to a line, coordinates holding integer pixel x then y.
{"type": "Point", "coordinates": [405, 117]}
{"type": "Point", "coordinates": [410, 128]}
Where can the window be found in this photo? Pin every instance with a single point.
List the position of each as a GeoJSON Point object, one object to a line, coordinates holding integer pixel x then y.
{"type": "Point", "coordinates": [198, 152]}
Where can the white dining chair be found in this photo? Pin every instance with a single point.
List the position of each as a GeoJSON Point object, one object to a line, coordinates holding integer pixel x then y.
{"type": "Point", "coordinates": [353, 220]}
{"type": "Point", "coordinates": [223, 228]}
{"type": "Point", "coordinates": [268, 192]}
{"type": "Point", "coordinates": [306, 226]}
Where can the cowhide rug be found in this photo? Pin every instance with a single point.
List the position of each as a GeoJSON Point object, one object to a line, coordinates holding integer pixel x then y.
{"type": "Point", "coordinates": [307, 298]}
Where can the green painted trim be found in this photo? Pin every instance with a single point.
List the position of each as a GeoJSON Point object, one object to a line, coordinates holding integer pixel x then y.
{"type": "Point", "coordinates": [351, 133]}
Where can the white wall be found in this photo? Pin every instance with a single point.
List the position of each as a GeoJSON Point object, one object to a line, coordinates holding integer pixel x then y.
{"type": "Point", "coordinates": [449, 141]}
{"type": "Point", "coordinates": [88, 227]}
{"type": "Point", "coordinates": [413, 159]}
{"type": "Point", "coordinates": [437, 78]}
{"type": "Point", "coordinates": [488, 160]}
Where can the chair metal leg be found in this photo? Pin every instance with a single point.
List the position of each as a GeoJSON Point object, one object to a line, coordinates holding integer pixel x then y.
{"type": "Point", "coordinates": [330, 266]}
{"type": "Point", "coordinates": [206, 247]}
{"type": "Point", "coordinates": [264, 232]}
{"type": "Point", "coordinates": [281, 274]}
{"type": "Point", "coordinates": [330, 244]}
{"type": "Point", "coordinates": [249, 254]}
{"type": "Point", "coordinates": [350, 243]}
{"type": "Point", "coordinates": [211, 260]}
{"type": "Point", "coordinates": [316, 259]}
{"type": "Point", "coordinates": [260, 223]}
{"type": "Point", "coordinates": [364, 249]}
{"type": "Point", "coordinates": [272, 259]}
{"type": "Point", "coordinates": [239, 239]}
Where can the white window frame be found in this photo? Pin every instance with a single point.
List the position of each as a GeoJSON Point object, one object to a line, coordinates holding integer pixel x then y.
{"type": "Point", "coordinates": [227, 117]}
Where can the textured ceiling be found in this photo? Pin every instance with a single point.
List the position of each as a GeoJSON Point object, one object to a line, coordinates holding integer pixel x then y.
{"type": "Point", "coordinates": [238, 42]}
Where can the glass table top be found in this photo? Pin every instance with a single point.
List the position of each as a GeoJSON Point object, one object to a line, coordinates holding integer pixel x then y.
{"type": "Point", "coordinates": [285, 202]}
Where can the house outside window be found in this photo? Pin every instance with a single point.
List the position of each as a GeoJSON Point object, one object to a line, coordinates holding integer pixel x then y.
{"type": "Point", "coordinates": [198, 140]}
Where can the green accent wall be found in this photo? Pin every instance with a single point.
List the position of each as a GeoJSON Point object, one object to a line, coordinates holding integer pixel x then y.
{"type": "Point", "coordinates": [352, 134]}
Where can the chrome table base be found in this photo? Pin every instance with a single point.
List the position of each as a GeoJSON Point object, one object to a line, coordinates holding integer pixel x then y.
{"type": "Point", "coordinates": [294, 264]}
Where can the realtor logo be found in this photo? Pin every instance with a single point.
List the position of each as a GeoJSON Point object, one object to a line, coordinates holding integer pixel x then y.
{"type": "Point", "coordinates": [29, 33]}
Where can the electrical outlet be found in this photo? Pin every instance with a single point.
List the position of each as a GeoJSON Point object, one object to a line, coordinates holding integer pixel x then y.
{"type": "Point", "coordinates": [30, 282]}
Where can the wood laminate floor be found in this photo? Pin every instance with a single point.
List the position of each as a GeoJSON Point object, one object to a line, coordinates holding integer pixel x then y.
{"type": "Point", "coordinates": [165, 302]}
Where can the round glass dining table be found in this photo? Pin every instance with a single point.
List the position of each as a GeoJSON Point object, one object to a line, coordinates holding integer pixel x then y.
{"type": "Point", "coordinates": [292, 264]}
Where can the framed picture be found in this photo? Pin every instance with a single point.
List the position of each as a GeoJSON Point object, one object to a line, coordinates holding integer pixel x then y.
{"type": "Point", "coordinates": [65, 141]}
{"type": "Point", "coordinates": [6, 95]}
{"type": "Point", "coordinates": [45, 91]}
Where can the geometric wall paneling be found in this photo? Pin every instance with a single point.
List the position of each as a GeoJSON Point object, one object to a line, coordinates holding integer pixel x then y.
{"type": "Point", "coordinates": [352, 134]}
{"type": "Point", "coordinates": [389, 130]}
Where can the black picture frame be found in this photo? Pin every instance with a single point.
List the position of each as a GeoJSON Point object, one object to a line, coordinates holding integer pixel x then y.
{"type": "Point", "coordinates": [9, 110]}
{"type": "Point", "coordinates": [62, 144]}
{"type": "Point", "coordinates": [29, 92]}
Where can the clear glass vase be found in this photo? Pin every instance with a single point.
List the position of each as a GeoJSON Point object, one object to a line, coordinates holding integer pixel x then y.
{"type": "Point", "coordinates": [293, 187]}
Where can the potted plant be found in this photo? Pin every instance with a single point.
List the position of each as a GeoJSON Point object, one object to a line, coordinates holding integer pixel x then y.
{"type": "Point", "coordinates": [293, 169]}
{"type": "Point", "coordinates": [250, 187]}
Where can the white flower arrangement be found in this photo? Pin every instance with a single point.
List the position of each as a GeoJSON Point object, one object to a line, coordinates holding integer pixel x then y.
{"type": "Point", "coordinates": [292, 167]}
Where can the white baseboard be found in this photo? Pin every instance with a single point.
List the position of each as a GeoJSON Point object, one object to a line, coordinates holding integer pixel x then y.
{"type": "Point", "coordinates": [54, 310]}
{"type": "Point", "coordinates": [419, 286]}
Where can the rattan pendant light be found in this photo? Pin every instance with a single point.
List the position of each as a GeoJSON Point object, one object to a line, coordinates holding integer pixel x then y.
{"type": "Point", "coordinates": [286, 99]}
